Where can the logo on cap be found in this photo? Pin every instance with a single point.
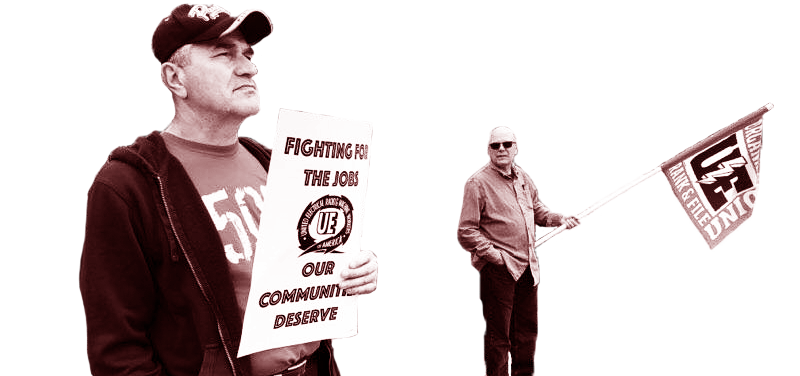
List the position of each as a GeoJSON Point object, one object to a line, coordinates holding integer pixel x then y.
{"type": "Point", "coordinates": [206, 12]}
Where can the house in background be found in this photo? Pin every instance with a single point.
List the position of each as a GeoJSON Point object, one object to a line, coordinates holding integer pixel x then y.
{"type": "Point", "coordinates": [664, 145]}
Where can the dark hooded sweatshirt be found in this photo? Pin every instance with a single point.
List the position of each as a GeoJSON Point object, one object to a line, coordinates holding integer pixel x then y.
{"type": "Point", "coordinates": [158, 296]}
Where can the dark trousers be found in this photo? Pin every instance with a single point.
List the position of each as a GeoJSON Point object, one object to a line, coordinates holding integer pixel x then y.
{"type": "Point", "coordinates": [510, 311]}
{"type": "Point", "coordinates": [544, 254]}
{"type": "Point", "coordinates": [463, 283]}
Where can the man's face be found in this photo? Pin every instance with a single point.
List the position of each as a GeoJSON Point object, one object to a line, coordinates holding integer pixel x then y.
{"type": "Point", "coordinates": [479, 135]}
{"type": "Point", "coordinates": [219, 77]}
{"type": "Point", "coordinates": [502, 148]}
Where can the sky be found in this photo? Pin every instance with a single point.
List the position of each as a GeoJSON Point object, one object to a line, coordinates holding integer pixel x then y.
{"type": "Point", "coordinates": [639, 49]}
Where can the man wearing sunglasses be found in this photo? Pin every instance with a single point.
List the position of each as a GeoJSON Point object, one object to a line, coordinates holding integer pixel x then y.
{"type": "Point", "coordinates": [499, 216]}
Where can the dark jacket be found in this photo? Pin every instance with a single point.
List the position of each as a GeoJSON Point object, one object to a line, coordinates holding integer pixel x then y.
{"type": "Point", "coordinates": [154, 279]}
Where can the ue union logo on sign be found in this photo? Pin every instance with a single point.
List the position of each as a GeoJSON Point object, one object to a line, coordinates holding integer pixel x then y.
{"type": "Point", "coordinates": [325, 225]}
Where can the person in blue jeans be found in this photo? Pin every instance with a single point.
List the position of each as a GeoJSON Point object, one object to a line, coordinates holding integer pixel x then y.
{"type": "Point", "coordinates": [384, 344]}
{"type": "Point", "coordinates": [499, 215]}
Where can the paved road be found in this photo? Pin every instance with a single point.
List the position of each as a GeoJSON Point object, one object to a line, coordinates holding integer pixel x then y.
{"type": "Point", "coordinates": [739, 273]}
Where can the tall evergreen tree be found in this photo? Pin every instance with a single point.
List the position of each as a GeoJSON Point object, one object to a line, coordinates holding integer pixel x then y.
{"type": "Point", "coordinates": [552, 90]}
{"type": "Point", "coordinates": [595, 113]}
{"type": "Point", "coordinates": [756, 22]}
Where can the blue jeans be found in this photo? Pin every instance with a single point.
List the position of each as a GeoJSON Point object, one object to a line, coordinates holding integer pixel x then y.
{"type": "Point", "coordinates": [384, 344]}
{"type": "Point", "coordinates": [463, 285]}
{"type": "Point", "coordinates": [510, 311]}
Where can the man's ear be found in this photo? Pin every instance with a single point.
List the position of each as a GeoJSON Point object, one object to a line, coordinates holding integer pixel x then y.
{"type": "Point", "coordinates": [172, 76]}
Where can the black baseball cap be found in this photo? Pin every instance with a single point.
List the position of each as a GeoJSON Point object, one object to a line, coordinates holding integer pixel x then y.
{"type": "Point", "coordinates": [189, 24]}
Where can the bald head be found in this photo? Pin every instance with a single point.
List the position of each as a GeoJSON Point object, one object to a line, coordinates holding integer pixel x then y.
{"type": "Point", "coordinates": [502, 134]}
{"type": "Point", "coordinates": [502, 148]}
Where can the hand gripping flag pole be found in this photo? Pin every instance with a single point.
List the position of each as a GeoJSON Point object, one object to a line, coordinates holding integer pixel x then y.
{"type": "Point", "coordinates": [715, 180]}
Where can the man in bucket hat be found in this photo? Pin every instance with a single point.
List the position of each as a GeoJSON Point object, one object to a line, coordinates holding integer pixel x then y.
{"type": "Point", "coordinates": [172, 220]}
{"type": "Point", "coordinates": [459, 166]}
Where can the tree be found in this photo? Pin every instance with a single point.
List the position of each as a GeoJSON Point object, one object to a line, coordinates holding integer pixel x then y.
{"type": "Point", "coordinates": [518, 111]}
{"type": "Point", "coordinates": [552, 90]}
{"type": "Point", "coordinates": [756, 22]}
{"type": "Point", "coordinates": [625, 126]}
{"type": "Point", "coordinates": [320, 57]}
{"type": "Point", "coordinates": [595, 114]}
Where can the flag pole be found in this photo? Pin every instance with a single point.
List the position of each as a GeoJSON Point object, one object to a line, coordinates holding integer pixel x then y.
{"type": "Point", "coordinates": [600, 203]}
{"type": "Point", "coordinates": [699, 146]}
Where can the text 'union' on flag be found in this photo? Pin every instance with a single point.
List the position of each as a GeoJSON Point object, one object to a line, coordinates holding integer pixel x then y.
{"type": "Point", "coordinates": [716, 180]}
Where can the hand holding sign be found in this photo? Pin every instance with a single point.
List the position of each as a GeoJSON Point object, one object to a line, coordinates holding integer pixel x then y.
{"type": "Point", "coordinates": [361, 275]}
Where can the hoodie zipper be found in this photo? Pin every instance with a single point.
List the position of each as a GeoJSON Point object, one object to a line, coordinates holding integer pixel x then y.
{"type": "Point", "coordinates": [194, 273]}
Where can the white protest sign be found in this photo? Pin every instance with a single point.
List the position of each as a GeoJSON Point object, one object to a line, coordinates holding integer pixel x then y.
{"type": "Point", "coordinates": [310, 229]}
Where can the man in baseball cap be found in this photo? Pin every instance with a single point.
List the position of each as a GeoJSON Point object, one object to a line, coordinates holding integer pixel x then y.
{"type": "Point", "coordinates": [172, 220]}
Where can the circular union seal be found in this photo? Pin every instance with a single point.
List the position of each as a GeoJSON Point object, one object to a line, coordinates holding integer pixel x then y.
{"type": "Point", "coordinates": [330, 219]}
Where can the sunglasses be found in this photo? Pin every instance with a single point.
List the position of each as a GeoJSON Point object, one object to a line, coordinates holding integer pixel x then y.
{"type": "Point", "coordinates": [496, 145]}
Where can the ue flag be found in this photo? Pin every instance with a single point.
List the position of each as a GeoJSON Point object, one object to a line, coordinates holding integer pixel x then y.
{"type": "Point", "coordinates": [716, 179]}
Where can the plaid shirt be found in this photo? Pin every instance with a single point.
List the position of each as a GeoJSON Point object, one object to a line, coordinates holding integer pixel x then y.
{"type": "Point", "coordinates": [500, 212]}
